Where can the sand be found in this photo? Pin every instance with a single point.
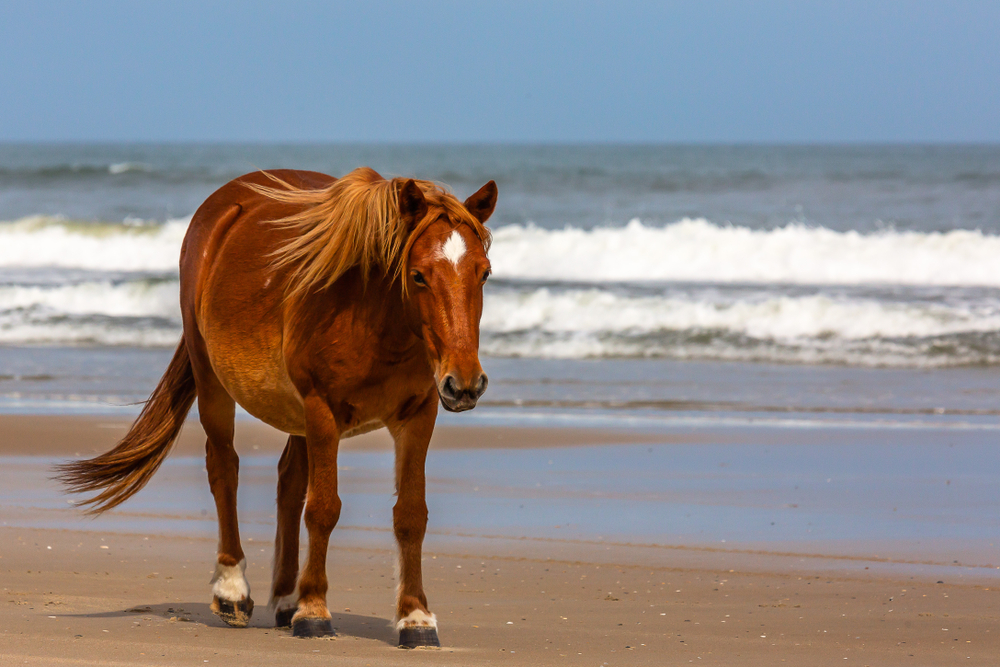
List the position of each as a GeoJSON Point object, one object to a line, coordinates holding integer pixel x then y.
{"type": "Point", "coordinates": [131, 597]}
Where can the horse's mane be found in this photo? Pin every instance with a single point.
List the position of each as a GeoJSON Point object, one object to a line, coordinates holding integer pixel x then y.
{"type": "Point", "coordinates": [354, 221]}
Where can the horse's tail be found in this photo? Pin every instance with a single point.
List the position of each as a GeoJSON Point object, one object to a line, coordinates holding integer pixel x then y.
{"type": "Point", "coordinates": [120, 473]}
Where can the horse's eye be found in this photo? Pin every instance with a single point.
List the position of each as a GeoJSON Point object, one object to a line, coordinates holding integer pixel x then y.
{"type": "Point", "coordinates": [418, 278]}
{"type": "Point", "coordinates": [486, 274]}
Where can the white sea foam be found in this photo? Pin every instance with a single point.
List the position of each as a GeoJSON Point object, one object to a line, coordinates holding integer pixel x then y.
{"type": "Point", "coordinates": [72, 283]}
{"type": "Point", "coordinates": [591, 311]}
{"type": "Point", "coordinates": [132, 299]}
{"type": "Point", "coordinates": [764, 326]}
{"type": "Point", "coordinates": [140, 313]}
{"type": "Point", "coordinates": [103, 333]}
{"type": "Point", "coordinates": [762, 317]}
{"type": "Point", "coordinates": [41, 241]}
{"type": "Point", "coordinates": [699, 250]}
{"type": "Point", "coordinates": [688, 250]}
{"type": "Point", "coordinates": [125, 167]}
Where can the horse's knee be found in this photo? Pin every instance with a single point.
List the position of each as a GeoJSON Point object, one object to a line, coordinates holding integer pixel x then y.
{"type": "Point", "coordinates": [322, 514]}
{"type": "Point", "coordinates": [409, 521]}
{"type": "Point", "coordinates": [222, 464]}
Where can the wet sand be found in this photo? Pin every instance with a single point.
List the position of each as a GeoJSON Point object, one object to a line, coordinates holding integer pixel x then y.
{"type": "Point", "coordinates": [618, 589]}
{"type": "Point", "coordinates": [88, 435]}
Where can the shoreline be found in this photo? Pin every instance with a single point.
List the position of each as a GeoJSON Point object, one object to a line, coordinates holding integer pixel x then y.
{"type": "Point", "coordinates": [88, 435]}
{"type": "Point", "coordinates": [523, 587]}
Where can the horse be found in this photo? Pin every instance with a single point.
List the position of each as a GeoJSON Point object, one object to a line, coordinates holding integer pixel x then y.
{"type": "Point", "coordinates": [326, 308]}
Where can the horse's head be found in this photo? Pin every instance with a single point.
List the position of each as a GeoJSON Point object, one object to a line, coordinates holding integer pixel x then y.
{"type": "Point", "coordinates": [445, 272]}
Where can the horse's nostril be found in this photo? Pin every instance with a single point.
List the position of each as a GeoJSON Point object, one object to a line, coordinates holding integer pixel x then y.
{"type": "Point", "coordinates": [448, 388]}
{"type": "Point", "coordinates": [481, 385]}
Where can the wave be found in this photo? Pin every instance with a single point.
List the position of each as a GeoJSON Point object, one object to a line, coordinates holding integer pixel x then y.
{"type": "Point", "coordinates": [691, 250]}
{"type": "Point", "coordinates": [909, 329]}
{"type": "Point", "coordinates": [46, 241]}
{"type": "Point", "coordinates": [761, 316]}
{"type": "Point", "coordinates": [92, 330]}
{"type": "Point", "coordinates": [140, 313]}
{"type": "Point", "coordinates": [76, 170]}
{"type": "Point", "coordinates": [117, 168]}
{"type": "Point", "coordinates": [692, 289]}
{"type": "Point", "coordinates": [130, 299]}
{"type": "Point", "coordinates": [817, 328]}
{"type": "Point", "coordinates": [701, 251]}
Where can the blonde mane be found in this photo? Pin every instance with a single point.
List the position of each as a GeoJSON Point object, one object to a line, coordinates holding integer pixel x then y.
{"type": "Point", "coordinates": [355, 221]}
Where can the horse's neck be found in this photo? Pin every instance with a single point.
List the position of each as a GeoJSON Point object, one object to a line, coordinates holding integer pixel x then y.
{"type": "Point", "coordinates": [378, 306]}
{"type": "Point", "coordinates": [391, 317]}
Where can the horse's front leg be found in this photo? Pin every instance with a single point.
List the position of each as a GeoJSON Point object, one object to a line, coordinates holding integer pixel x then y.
{"type": "Point", "coordinates": [312, 618]}
{"type": "Point", "coordinates": [416, 624]}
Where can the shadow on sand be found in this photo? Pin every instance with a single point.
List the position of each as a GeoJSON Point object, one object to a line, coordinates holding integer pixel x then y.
{"type": "Point", "coordinates": [346, 625]}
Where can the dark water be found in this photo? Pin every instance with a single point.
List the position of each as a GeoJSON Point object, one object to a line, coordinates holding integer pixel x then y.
{"type": "Point", "coordinates": [862, 188]}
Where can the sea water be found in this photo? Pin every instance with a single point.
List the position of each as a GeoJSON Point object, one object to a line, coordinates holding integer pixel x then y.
{"type": "Point", "coordinates": [817, 257]}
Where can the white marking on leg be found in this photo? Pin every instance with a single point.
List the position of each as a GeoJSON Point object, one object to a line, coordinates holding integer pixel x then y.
{"type": "Point", "coordinates": [285, 602]}
{"type": "Point", "coordinates": [417, 617]}
{"type": "Point", "coordinates": [230, 582]}
{"type": "Point", "coordinates": [454, 248]}
{"type": "Point", "coordinates": [397, 572]}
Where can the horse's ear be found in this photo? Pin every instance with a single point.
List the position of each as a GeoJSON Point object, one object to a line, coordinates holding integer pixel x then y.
{"type": "Point", "coordinates": [412, 205]}
{"type": "Point", "coordinates": [482, 203]}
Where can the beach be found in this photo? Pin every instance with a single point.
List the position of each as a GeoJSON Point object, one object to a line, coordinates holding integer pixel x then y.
{"type": "Point", "coordinates": [605, 565]}
{"type": "Point", "coordinates": [743, 409]}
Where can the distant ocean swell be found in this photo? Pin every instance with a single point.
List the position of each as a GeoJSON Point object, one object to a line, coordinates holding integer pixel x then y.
{"type": "Point", "coordinates": [692, 289]}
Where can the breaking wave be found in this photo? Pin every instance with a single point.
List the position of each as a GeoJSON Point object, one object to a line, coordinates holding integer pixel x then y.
{"type": "Point", "coordinates": [692, 289]}
{"type": "Point", "coordinates": [699, 250]}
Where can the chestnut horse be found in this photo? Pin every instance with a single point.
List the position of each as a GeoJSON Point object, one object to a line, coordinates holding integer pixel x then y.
{"type": "Point", "coordinates": [326, 308]}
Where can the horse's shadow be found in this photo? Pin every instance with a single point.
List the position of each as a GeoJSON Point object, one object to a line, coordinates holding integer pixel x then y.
{"type": "Point", "coordinates": [346, 625]}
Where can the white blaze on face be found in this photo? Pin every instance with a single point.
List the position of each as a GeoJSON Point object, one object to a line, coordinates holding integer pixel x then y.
{"type": "Point", "coordinates": [454, 248]}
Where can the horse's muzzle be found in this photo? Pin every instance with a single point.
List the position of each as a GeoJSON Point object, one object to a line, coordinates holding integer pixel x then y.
{"type": "Point", "coordinates": [457, 398]}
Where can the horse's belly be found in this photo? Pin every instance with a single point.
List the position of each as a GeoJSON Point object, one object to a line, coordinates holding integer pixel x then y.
{"type": "Point", "coordinates": [255, 376]}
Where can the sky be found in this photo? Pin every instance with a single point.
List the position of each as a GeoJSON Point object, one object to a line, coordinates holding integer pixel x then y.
{"type": "Point", "coordinates": [500, 72]}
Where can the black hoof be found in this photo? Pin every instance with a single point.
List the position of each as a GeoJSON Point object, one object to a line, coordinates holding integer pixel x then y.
{"type": "Point", "coordinates": [283, 618]}
{"type": "Point", "coordinates": [236, 614]}
{"type": "Point", "coordinates": [313, 627]}
{"type": "Point", "coordinates": [418, 636]}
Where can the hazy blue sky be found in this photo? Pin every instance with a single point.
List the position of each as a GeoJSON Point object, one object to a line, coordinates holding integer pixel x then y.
{"type": "Point", "coordinates": [795, 71]}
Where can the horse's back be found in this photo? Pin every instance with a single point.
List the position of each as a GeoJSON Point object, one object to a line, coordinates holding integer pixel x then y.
{"type": "Point", "coordinates": [232, 301]}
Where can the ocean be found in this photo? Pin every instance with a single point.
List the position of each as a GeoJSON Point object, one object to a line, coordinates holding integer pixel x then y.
{"type": "Point", "coordinates": [627, 279]}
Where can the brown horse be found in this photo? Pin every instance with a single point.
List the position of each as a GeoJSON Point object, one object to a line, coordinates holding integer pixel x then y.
{"type": "Point", "coordinates": [326, 308]}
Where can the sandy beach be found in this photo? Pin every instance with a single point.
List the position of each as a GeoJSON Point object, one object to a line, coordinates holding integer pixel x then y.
{"type": "Point", "coordinates": [132, 587]}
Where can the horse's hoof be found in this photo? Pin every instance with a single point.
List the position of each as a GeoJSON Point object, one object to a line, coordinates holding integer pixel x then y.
{"type": "Point", "coordinates": [236, 614]}
{"type": "Point", "coordinates": [419, 636]}
{"type": "Point", "coordinates": [313, 627]}
{"type": "Point", "coordinates": [283, 617]}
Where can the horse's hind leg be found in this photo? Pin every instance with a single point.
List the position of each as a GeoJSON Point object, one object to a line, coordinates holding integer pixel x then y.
{"type": "Point", "coordinates": [416, 624]}
{"type": "Point", "coordinates": [293, 479]}
{"type": "Point", "coordinates": [217, 410]}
